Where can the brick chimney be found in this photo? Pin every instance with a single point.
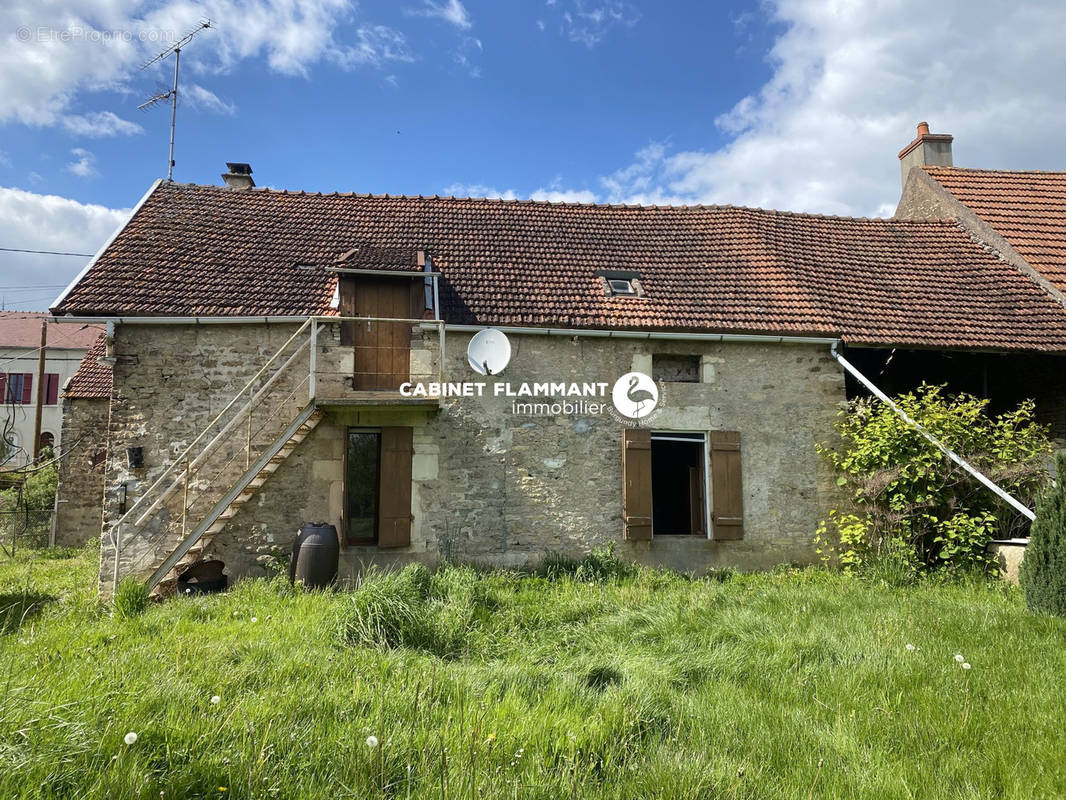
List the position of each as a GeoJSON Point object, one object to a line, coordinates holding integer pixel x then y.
{"type": "Point", "coordinates": [927, 149]}
{"type": "Point", "coordinates": [239, 176]}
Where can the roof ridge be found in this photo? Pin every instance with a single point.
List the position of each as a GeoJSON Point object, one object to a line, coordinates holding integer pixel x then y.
{"type": "Point", "coordinates": [932, 167]}
{"type": "Point", "coordinates": [692, 207]}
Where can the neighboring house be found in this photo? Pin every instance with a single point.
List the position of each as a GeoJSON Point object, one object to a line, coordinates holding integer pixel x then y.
{"type": "Point", "coordinates": [1021, 216]}
{"type": "Point", "coordinates": [20, 345]}
{"type": "Point", "coordinates": [261, 380]}
{"type": "Point", "coordinates": [86, 399]}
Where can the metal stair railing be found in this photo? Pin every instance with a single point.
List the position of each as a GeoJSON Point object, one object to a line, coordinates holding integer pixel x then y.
{"type": "Point", "coordinates": [192, 461]}
{"type": "Point", "coordinates": [212, 516]}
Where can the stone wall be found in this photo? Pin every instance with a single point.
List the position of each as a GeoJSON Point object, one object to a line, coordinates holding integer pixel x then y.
{"type": "Point", "coordinates": [80, 489]}
{"type": "Point", "coordinates": [488, 485]}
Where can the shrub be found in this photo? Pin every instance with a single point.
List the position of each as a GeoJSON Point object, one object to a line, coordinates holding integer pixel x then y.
{"type": "Point", "coordinates": [908, 501]}
{"type": "Point", "coordinates": [131, 598]}
{"type": "Point", "coordinates": [1043, 572]}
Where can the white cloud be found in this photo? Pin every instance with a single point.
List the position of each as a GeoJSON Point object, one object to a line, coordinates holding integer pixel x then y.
{"type": "Point", "coordinates": [554, 193]}
{"type": "Point", "coordinates": [478, 190]}
{"type": "Point", "coordinates": [100, 124]}
{"type": "Point", "coordinates": [850, 81]}
{"type": "Point", "coordinates": [451, 11]}
{"type": "Point", "coordinates": [199, 97]}
{"type": "Point", "coordinates": [4, 160]}
{"type": "Point", "coordinates": [588, 22]}
{"type": "Point", "coordinates": [55, 54]}
{"type": "Point", "coordinates": [47, 222]}
{"type": "Point", "coordinates": [85, 164]}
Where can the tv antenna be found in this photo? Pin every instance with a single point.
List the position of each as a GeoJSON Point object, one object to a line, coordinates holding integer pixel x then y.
{"type": "Point", "coordinates": [172, 93]}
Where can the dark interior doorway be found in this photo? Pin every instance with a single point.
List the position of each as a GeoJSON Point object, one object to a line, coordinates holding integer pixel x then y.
{"type": "Point", "coordinates": [678, 481]}
{"type": "Point", "coordinates": [361, 486]}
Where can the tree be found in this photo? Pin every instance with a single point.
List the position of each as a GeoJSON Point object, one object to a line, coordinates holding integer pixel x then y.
{"type": "Point", "coordinates": [907, 498]}
{"type": "Point", "coordinates": [1043, 572]}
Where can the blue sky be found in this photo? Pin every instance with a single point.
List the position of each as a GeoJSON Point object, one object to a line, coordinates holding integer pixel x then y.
{"type": "Point", "coordinates": [500, 102]}
{"type": "Point", "coordinates": [792, 104]}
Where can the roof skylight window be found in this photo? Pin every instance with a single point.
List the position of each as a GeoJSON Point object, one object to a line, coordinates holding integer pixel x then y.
{"type": "Point", "coordinates": [621, 286]}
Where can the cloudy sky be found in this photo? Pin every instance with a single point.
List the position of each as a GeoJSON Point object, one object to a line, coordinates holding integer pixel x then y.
{"type": "Point", "coordinates": [790, 104]}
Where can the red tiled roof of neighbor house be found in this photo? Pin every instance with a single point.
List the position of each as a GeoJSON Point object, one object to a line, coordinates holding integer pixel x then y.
{"type": "Point", "coordinates": [203, 250]}
{"type": "Point", "coordinates": [91, 379]}
{"type": "Point", "coordinates": [1028, 209]}
{"type": "Point", "coordinates": [23, 329]}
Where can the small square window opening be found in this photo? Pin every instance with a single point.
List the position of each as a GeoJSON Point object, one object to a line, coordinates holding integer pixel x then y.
{"type": "Point", "coordinates": [621, 286]}
{"type": "Point", "coordinates": [675, 368]}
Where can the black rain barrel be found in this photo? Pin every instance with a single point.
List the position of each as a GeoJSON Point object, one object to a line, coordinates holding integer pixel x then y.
{"type": "Point", "coordinates": [315, 554]}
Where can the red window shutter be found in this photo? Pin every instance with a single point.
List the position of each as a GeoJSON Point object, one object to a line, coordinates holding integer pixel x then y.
{"type": "Point", "coordinates": [27, 387]}
{"type": "Point", "coordinates": [636, 484]}
{"type": "Point", "coordinates": [727, 491]}
{"type": "Point", "coordinates": [51, 388]}
{"type": "Point", "coordinates": [3, 387]}
{"type": "Point", "coordinates": [394, 499]}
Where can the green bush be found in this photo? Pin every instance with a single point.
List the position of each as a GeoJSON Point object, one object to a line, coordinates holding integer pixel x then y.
{"type": "Point", "coordinates": [131, 598]}
{"type": "Point", "coordinates": [1043, 572]}
{"type": "Point", "coordinates": [910, 507]}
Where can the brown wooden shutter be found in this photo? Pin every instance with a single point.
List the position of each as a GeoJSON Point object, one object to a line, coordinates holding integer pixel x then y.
{"type": "Point", "coordinates": [27, 388]}
{"type": "Point", "coordinates": [727, 490]}
{"type": "Point", "coordinates": [51, 389]}
{"type": "Point", "coordinates": [346, 307]}
{"type": "Point", "coordinates": [636, 484]}
{"type": "Point", "coordinates": [394, 493]}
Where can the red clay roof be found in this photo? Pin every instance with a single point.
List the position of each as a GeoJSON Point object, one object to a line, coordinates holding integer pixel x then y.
{"type": "Point", "coordinates": [91, 379]}
{"type": "Point", "coordinates": [1028, 209]}
{"type": "Point", "coordinates": [200, 250]}
{"type": "Point", "coordinates": [23, 329]}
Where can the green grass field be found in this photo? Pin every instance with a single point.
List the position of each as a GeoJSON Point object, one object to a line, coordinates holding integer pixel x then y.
{"type": "Point", "coordinates": [794, 684]}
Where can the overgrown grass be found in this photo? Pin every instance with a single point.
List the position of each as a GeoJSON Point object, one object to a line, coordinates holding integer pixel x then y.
{"type": "Point", "coordinates": [792, 684]}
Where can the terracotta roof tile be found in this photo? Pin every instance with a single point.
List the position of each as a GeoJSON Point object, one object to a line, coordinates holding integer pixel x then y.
{"type": "Point", "coordinates": [1028, 209]}
{"type": "Point", "coordinates": [199, 250]}
{"type": "Point", "coordinates": [23, 329]}
{"type": "Point", "coordinates": [91, 379]}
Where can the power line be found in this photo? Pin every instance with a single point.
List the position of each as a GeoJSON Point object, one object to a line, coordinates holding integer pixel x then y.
{"type": "Point", "coordinates": [44, 252]}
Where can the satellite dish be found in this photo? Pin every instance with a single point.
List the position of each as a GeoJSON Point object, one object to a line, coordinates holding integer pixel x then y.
{"type": "Point", "coordinates": [489, 352]}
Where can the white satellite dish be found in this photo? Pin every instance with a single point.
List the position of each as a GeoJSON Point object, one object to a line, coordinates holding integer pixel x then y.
{"type": "Point", "coordinates": [489, 352]}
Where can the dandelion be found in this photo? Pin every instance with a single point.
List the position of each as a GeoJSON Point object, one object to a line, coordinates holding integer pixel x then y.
{"type": "Point", "coordinates": [965, 664]}
{"type": "Point", "coordinates": [255, 619]}
{"type": "Point", "coordinates": [910, 647]}
{"type": "Point", "coordinates": [215, 700]}
{"type": "Point", "coordinates": [234, 613]}
{"type": "Point", "coordinates": [130, 738]}
{"type": "Point", "coordinates": [959, 658]}
{"type": "Point", "coordinates": [371, 741]}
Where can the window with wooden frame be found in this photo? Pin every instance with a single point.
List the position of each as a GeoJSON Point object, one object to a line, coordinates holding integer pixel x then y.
{"type": "Point", "coordinates": [377, 486]}
{"type": "Point", "coordinates": [666, 477]}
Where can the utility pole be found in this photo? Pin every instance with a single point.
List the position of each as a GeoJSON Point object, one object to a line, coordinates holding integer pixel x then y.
{"type": "Point", "coordinates": [39, 408]}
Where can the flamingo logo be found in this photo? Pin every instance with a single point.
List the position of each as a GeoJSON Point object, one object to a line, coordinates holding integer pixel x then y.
{"type": "Point", "coordinates": [635, 395]}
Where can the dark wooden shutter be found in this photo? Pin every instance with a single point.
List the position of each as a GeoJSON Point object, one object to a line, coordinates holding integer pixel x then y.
{"type": "Point", "coordinates": [51, 388]}
{"type": "Point", "coordinates": [27, 386]}
{"type": "Point", "coordinates": [394, 502]}
{"type": "Point", "coordinates": [3, 387]}
{"type": "Point", "coordinates": [727, 490]}
{"type": "Point", "coordinates": [636, 484]}
{"type": "Point", "coordinates": [346, 307]}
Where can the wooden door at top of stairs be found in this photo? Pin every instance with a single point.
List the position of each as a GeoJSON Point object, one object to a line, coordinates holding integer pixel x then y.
{"type": "Point", "coordinates": [382, 349]}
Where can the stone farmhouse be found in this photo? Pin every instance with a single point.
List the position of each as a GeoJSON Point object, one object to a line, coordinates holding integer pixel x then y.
{"type": "Point", "coordinates": [274, 358]}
